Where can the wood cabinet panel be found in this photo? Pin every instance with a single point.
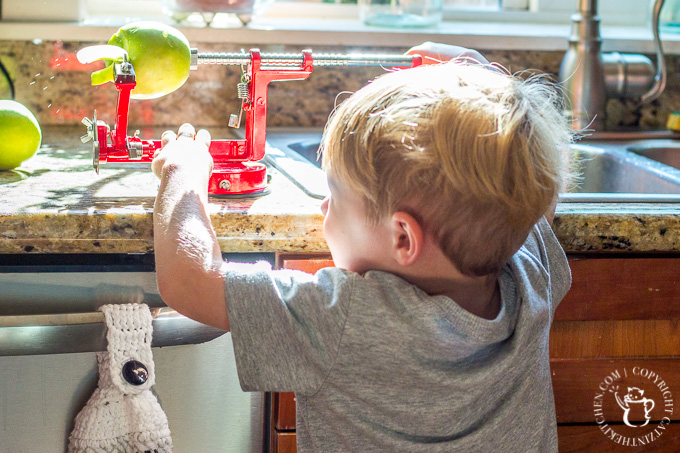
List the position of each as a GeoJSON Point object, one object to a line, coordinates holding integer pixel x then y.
{"type": "Point", "coordinates": [309, 266]}
{"type": "Point", "coordinates": [630, 338]}
{"type": "Point", "coordinates": [622, 288]}
{"type": "Point", "coordinates": [283, 410]}
{"type": "Point", "coordinates": [577, 382]}
{"type": "Point", "coordinates": [284, 443]}
{"type": "Point", "coordinates": [589, 438]}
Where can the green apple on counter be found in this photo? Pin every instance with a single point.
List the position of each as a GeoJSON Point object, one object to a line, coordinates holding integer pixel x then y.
{"type": "Point", "coordinates": [159, 53]}
{"type": "Point", "coordinates": [20, 134]}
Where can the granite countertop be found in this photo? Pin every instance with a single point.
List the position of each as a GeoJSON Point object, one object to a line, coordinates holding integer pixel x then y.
{"type": "Point", "coordinates": [56, 203]}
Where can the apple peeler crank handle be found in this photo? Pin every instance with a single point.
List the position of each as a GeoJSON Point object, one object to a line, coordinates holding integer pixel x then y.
{"type": "Point", "coordinates": [283, 60]}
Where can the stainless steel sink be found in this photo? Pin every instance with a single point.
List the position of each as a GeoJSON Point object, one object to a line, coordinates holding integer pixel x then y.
{"type": "Point", "coordinates": [664, 151]}
{"type": "Point", "coordinates": [608, 170]}
{"type": "Point", "coordinates": [293, 153]}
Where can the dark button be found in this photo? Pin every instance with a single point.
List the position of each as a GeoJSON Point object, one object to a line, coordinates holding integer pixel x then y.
{"type": "Point", "coordinates": [135, 372]}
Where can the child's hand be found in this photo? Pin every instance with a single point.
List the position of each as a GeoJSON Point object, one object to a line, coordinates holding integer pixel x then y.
{"type": "Point", "coordinates": [433, 53]}
{"type": "Point", "coordinates": [185, 150]}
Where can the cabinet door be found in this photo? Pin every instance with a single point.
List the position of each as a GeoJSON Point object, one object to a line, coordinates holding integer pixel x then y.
{"type": "Point", "coordinates": [283, 411]}
{"type": "Point", "coordinates": [617, 329]}
{"type": "Point", "coordinates": [605, 288]}
{"type": "Point", "coordinates": [583, 438]}
{"type": "Point", "coordinates": [306, 263]}
{"type": "Point", "coordinates": [284, 442]}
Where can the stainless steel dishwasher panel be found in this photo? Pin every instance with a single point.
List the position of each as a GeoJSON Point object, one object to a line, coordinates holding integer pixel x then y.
{"type": "Point", "coordinates": [196, 385]}
{"type": "Point", "coordinates": [40, 395]}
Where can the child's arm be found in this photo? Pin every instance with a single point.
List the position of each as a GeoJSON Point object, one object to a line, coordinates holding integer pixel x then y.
{"type": "Point", "coordinates": [188, 257]}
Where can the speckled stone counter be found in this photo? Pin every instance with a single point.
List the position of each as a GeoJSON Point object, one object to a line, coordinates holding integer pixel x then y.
{"type": "Point", "coordinates": [612, 227]}
{"type": "Point", "coordinates": [56, 203]}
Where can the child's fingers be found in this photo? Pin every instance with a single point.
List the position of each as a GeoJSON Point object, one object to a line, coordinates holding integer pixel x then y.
{"type": "Point", "coordinates": [166, 137]}
{"type": "Point", "coordinates": [186, 130]}
{"type": "Point", "coordinates": [203, 136]}
{"type": "Point", "coordinates": [157, 162]}
{"type": "Point", "coordinates": [178, 149]}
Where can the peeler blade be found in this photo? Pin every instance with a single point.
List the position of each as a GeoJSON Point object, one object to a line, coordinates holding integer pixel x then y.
{"type": "Point", "coordinates": [101, 52]}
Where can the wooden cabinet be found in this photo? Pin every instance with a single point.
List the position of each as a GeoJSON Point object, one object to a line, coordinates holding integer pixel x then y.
{"type": "Point", "coordinates": [283, 423]}
{"type": "Point", "coordinates": [622, 315]}
{"type": "Point", "coordinates": [284, 442]}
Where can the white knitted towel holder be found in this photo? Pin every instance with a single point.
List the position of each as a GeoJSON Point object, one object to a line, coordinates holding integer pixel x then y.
{"type": "Point", "coordinates": [123, 415]}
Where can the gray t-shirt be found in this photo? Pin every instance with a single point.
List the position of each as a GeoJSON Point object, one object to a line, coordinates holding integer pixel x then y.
{"type": "Point", "coordinates": [379, 365]}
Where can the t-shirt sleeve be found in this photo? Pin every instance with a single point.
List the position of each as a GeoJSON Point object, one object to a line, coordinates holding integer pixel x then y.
{"type": "Point", "coordinates": [286, 325]}
{"type": "Point", "coordinates": [543, 244]}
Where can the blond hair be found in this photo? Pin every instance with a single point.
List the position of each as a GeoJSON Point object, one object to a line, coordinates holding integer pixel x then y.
{"type": "Point", "coordinates": [474, 155]}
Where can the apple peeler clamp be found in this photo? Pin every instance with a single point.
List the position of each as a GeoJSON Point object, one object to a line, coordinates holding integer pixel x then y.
{"type": "Point", "coordinates": [237, 170]}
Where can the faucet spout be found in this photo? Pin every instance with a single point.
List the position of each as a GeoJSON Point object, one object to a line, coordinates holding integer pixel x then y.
{"type": "Point", "coordinates": [660, 77]}
{"type": "Point", "coordinates": [582, 72]}
{"type": "Point", "coordinates": [589, 77]}
{"type": "Point", "coordinates": [587, 6]}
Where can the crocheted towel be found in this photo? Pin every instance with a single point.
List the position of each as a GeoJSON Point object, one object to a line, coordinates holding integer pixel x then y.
{"type": "Point", "coordinates": [122, 415]}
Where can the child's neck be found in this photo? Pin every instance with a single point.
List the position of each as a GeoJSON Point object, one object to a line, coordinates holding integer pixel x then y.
{"type": "Point", "coordinates": [482, 299]}
{"type": "Point", "coordinates": [480, 296]}
{"type": "Point", "coordinates": [436, 275]}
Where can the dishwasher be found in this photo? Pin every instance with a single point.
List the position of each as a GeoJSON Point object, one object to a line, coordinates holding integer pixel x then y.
{"type": "Point", "coordinates": [50, 329]}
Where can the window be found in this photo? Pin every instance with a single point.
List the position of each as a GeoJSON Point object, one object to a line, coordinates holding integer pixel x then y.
{"type": "Point", "coordinates": [612, 12]}
{"type": "Point", "coordinates": [475, 4]}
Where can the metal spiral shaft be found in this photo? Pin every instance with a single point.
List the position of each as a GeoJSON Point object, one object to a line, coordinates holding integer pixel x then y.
{"type": "Point", "coordinates": [282, 60]}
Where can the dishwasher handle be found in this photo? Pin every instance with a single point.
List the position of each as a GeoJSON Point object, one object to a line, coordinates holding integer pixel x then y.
{"type": "Point", "coordinates": [86, 332]}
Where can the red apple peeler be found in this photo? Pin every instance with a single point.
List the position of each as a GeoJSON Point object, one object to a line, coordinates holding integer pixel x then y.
{"type": "Point", "coordinates": [236, 171]}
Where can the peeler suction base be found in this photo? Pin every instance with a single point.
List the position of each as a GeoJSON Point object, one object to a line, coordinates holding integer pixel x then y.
{"type": "Point", "coordinates": [238, 178]}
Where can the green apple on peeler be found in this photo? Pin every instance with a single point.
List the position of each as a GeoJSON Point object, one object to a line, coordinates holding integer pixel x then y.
{"type": "Point", "coordinates": [159, 53]}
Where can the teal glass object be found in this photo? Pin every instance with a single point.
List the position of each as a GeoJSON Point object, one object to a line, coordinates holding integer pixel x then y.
{"type": "Point", "coordinates": [401, 13]}
{"type": "Point", "coordinates": [669, 18]}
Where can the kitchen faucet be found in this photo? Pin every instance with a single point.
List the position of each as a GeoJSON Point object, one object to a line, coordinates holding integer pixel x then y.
{"type": "Point", "coordinates": [589, 77]}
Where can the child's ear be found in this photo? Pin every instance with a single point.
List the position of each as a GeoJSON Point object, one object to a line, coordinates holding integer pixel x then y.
{"type": "Point", "coordinates": [407, 238]}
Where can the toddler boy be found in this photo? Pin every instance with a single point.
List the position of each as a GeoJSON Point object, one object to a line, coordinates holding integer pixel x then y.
{"type": "Point", "coordinates": [431, 334]}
